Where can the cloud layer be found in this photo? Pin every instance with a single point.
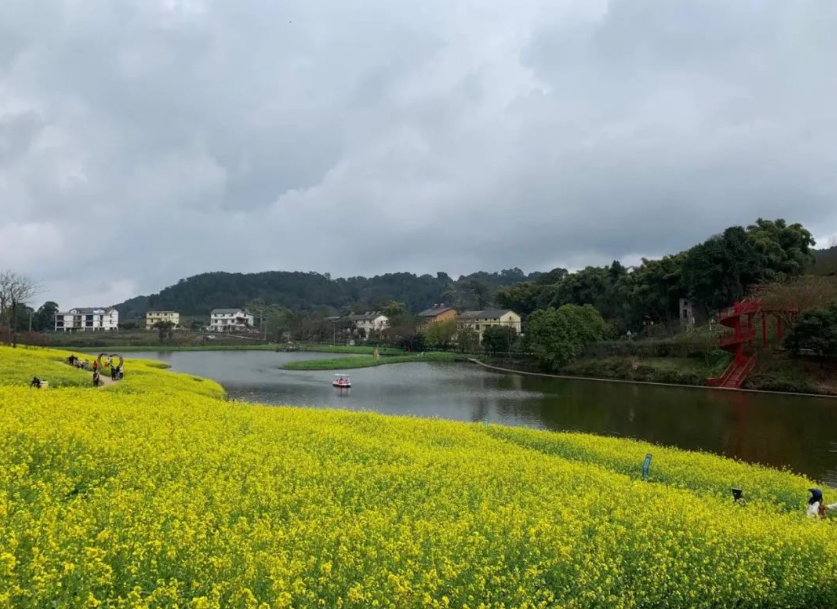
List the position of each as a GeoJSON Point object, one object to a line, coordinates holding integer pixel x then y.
{"type": "Point", "coordinates": [143, 141]}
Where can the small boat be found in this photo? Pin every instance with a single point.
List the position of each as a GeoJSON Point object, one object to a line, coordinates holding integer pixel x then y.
{"type": "Point", "coordinates": [342, 380]}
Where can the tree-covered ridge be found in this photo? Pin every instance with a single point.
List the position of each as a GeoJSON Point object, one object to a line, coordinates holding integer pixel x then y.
{"type": "Point", "coordinates": [312, 291]}
{"type": "Point", "coordinates": [826, 263]}
{"type": "Point", "coordinates": [712, 274]}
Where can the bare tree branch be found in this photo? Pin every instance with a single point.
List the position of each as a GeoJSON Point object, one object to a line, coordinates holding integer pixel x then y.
{"type": "Point", "coordinates": [15, 289]}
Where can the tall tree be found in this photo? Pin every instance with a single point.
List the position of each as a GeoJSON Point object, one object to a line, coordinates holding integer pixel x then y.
{"type": "Point", "coordinates": [45, 316]}
{"type": "Point", "coordinates": [786, 249]}
{"type": "Point", "coordinates": [557, 336]}
{"type": "Point", "coordinates": [16, 290]}
{"type": "Point", "coordinates": [720, 270]}
{"type": "Point", "coordinates": [165, 329]}
{"type": "Point", "coordinates": [440, 335]}
{"type": "Point", "coordinates": [498, 339]}
{"type": "Point", "coordinates": [815, 331]}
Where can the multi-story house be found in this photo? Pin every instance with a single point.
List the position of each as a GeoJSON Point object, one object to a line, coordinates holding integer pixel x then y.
{"type": "Point", "coordinates": [369, 321]}
{"type": "Point", "coordinates": [436, 314]}
{"type": "Point", "coordinates": [153, 317]}
{"type": "Point", "coordinates": [87, 319]}
{"type": "Point", "coordinates": [479, 321]}
{"type": "Point", "coordinates": [230, 320]}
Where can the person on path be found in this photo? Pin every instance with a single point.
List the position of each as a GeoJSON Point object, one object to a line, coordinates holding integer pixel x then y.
{"type": "Point", "coordinates": [113, 372]}
{"type": "Point", "coordinates": [95, 365]}
{"type": "Point", "coordinates": [816, 505]}
{"type": "Point", "coordinates": [95, 378]}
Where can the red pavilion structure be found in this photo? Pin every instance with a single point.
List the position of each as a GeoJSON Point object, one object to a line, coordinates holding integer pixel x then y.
{"type": "Point", "coordinates": [741, 336]}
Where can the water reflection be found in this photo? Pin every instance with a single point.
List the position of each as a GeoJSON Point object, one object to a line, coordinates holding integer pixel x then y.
{"type": "Point", "coordinates": [782, 431]}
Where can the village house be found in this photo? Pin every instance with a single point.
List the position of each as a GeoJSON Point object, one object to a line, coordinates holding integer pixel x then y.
{"type": "Point", "coordinates": [87, 319]}
{"type": "Point", "coordinates": [369, 322]}
{"type": "Point", "coordinates": [230, 320]}
{"type": "Point", "coordinates": [479, 321]}
{"type": "Point", "coordinates": [436, 314]}
{"type": "Point", "coordinates": [153, 317]}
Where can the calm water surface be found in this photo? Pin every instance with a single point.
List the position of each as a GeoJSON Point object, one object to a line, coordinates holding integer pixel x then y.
{"type": "Point", "coordinates": [796, 432]}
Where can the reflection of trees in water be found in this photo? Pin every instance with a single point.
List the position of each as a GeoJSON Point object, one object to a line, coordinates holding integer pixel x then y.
{"type": "Point", "coordinates": [481, 409]}
{"type": "Point", "coordinates": [773, 430]}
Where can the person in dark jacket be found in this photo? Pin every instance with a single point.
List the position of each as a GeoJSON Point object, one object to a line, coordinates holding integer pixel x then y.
{"type": "Point", "coordinates": [816, 505]}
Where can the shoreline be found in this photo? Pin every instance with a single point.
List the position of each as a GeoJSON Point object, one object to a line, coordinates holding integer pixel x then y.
{"type": "Point", "coordinates": [303, 348]}
{"type": "Point", "coordinates": [571, 377]}
{"type": "Point", "coordinates": [367, 361]}
{"type": "Point", "coordinates": [363, 359]}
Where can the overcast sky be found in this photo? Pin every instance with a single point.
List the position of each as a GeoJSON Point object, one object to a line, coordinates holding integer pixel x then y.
{"type": "Point", "coordinates": [148, 140]}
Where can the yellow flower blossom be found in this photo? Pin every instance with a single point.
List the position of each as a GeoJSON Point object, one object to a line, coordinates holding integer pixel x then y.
{"type": "Point", "coordinates": [157, 492]}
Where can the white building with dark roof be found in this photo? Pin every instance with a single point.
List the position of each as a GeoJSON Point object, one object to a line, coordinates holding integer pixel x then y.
{"type": "Point", "coordinates": [230, 320]}
{"type": "Point", "coordinates": [87, 319]}
{"type": "Point", "coordinates": [369, 321]}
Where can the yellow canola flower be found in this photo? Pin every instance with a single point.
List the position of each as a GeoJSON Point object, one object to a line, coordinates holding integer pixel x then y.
{"type": "Point", "coordinates": [158, 492]}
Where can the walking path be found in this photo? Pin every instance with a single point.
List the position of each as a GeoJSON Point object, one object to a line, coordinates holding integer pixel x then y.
{"type": "Point", "coordinates": [104, 380]}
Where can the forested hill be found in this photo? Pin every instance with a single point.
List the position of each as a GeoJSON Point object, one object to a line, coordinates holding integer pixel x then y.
{"type": "Point", "coordinates": [310, 291]}
{"type": "Point", "coordinates": [826, 263]}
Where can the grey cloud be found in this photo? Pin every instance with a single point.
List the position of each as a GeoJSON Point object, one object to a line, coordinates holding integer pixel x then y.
{"type": "Point", "coordinates": [177, 136]}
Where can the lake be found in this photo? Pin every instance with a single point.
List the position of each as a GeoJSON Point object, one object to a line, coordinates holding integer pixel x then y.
{"type": "Point", "coordinates": [777, 430]}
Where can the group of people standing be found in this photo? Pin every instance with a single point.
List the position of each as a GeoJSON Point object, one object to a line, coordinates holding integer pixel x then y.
{"type": "Point", "coordinates": [116, 372]}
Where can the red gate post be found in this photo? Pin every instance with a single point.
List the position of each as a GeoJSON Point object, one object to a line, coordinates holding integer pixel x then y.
{"type": "Point", "coordinates": [764, 329]}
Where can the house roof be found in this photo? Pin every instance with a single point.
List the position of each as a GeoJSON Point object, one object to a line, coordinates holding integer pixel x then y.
{"type": "Point", "coordinates": [368, 316]}
{"type": "Point", "coordinates": [434, 311]}
{"type": "Point", "coordinates": [160, 312]}
{"type": "Point", "coordinates": [227, 311]}
{"type": "Point", "coordinates": [86, 310]}
{"type": "Point", "coordinates": [486, 314]}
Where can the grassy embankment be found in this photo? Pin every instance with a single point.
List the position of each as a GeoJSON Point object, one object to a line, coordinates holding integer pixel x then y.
{"type": "Point", "coordinates": [158, 492]}
{"type": "Point", "coordinates": [690, 359]}
{"type": "Point", "coordinates": [774, 372]}
{"type": "Point", "coordinates": [367, 361]}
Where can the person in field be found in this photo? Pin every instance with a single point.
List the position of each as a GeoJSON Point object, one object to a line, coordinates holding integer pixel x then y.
{"type": "Point", "coordinates": [816, 505]}
{"type": "Point", "coordinates": [36, 382]}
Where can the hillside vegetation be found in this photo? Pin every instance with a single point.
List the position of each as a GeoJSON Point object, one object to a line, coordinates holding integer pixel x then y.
{"type": "Point", "coordinates": [159, 493]}
{"type": "Point", "coordinates": [310, 291]}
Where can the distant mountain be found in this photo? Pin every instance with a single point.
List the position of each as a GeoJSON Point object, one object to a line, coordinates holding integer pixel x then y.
{"type": "Point", "coordinates": [826, 263]}
{"type": "Point", "coordinates": [200, 294]}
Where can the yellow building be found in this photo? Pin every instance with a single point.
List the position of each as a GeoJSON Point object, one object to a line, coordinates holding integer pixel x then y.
{"type": "Point", "coordinates": [152, 317]}
{"type": "Point", "coordinates": [436, 314]}
{"type": "Point", "coordinates": [479, 321]}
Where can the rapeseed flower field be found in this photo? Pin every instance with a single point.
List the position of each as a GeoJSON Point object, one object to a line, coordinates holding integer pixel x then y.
{"type": "Point", "coordinates": [157, 492]}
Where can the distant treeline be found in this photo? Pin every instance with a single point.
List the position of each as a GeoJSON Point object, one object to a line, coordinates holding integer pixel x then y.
{"type": "Point", "coordinates": [200, 294]}
{"type": "Point", "coordinates": [826, 263]}
{"type": "Point", "coordinates": [712, 274]}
